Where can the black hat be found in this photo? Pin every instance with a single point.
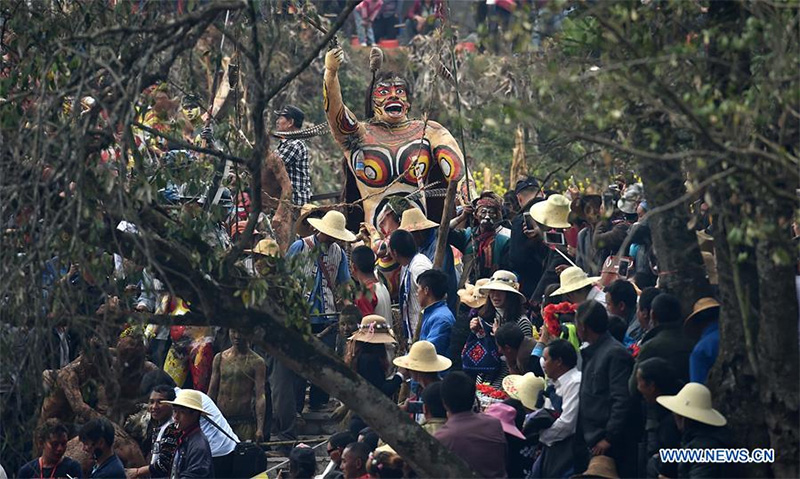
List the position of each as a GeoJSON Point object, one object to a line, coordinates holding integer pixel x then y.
{"type": "Point", "coordinates": [525, 183]}
{"type": "Point", "coordinates": [291, 111]}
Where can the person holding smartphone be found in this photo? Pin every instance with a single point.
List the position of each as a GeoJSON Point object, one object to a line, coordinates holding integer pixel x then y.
{"type": "Point", "coordinates": [527, 251]}
{"type": "Point", "coordinates": [551, 219]}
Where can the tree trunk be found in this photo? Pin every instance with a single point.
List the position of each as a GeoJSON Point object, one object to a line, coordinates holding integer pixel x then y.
{"type": "Point", "coordinates": [311, 359]}
{"type": "Point", "coordinates": [302, 353]}
{"type": "Point", "coordinates": [757, 371]}
{"type": "Point", "coordinates": [777, 340]}
{"type": "Point", "coordinates": [680, 264]}
{"type": "Point", "coordinates": [732, 380]}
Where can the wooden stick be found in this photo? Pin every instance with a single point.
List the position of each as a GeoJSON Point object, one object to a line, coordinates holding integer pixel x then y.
{"type": "Point", "coordinates": [441, 242]}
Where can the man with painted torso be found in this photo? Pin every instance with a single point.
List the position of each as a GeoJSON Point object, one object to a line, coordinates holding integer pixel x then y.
{"type": "Point", "coordinates": [238, 378]}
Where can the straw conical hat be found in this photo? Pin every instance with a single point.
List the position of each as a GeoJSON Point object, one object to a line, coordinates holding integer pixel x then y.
{"type": "Point", "coordinates": [471, 294]}
{"type": "Point", "coordinates": [573, 279]}
{"type": "Point", "coordinates": [600, 466]}
{"type": "Point", "coordinates": [526, 388]}
{"type": "Point", "coordinates": [502, 280]}
{"type": "Point", "coordinates": [694, 402]}
{"type": "Point", "coordinates": [552, 212]}
{"type": "Point", "coordinates": [702, 304]}
{"type": "Point", "coordinates": [415, 220]}
{"type": "Point", "coordinates": [374, 329]}
{"type": "Point", "coordinates": [333, 224]}
{"type": "Point", "coordinates": [190, 399]}
{"type": "Point", "coordinates": [266, 247]}
{"type": "Point", "coordinates": [422, 357]}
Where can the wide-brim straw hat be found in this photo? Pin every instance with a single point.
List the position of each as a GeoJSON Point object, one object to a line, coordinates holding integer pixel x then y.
{"type": "Point", "coordinates": [552, 212]}
{"type": "Point", "coordinates": [385, 448]}
{"type": "Point", "coordinates": [415, 220]}
{"type": "Point", "coordinates": [573, 279]}
{"type": "Point", "coordinates": [702, 304]}
{"type": "Point", "coordinates": [693, 401]}
{"type": "Point", "coordinates": [600, 466]}
{"type": "Point", "coordinates": [374, 329]}
{"type": "Point", "coordinates": [422, 357]}
{"type": "Point", "coordinates": [301, 226]}
{"type": "Point", "coordinates": [471, 294]}
{"type": "Point", "coordinates": [502, 280]}
{"type": "Point", "coordinates": [190, 399]}
{"type": "Point", "coordinates": [333, 225]}
{"type": "Point", "coordinates": [526, 388]}
{"type": "Point", "coordinates": [266, 247]}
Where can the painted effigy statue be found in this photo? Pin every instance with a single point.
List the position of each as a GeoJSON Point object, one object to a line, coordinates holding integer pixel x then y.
{"type": "Point", "coordinates": [191, 353]}
{"type": "Point", "coordinates": [388, 154]}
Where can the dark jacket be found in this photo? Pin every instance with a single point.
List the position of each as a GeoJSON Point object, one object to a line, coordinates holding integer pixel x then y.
{"type": "Point", "coordinates": [585, 257]}
{"type": "Point", "coordinates": [666, 341]}
{"type": "Point", "coordinates": [67, 467]}
{"type": "Point", "coordinates": [606, 404]}
{"type": "Point", "coordinates": [111, 469]}
{"type": "Point", "coordinates": [527, 257]}
{"type": "Point", "coordinates": [369, 367]}
{"type": "Point", "coordinates": [549, 275]}
{"type": "Point", "coordinates": [608, 238]}
{"type": "Point", "coordinates": [701, 436]}
{"type": "Point", "coordinates": [193, 457]}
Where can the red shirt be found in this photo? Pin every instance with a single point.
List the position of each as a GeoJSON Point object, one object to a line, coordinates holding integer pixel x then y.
{"type": "Point", "coordinates": [367, 301]}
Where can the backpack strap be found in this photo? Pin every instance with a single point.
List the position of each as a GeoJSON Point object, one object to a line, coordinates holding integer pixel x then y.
{"type": "Point", "coordinates": [211, 421]}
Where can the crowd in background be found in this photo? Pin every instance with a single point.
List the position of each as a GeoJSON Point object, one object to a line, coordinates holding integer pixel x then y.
{"type": "Point", "coordinates": [540, 345]}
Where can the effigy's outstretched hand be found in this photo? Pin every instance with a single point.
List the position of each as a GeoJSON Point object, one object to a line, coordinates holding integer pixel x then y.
{"type": "Point", "coordinates": [334, 59]}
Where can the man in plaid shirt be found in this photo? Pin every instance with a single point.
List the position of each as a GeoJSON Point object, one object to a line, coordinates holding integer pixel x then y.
{"type": "Point", "coordinates": [294, 154]}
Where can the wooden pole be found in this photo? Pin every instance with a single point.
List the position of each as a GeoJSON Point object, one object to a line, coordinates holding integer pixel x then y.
{"type": "Point", "coordinates": [441, 242]}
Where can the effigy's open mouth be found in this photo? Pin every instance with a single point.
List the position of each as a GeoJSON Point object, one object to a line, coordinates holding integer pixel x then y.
{"type": "Point", "coordinates": [394, 109]}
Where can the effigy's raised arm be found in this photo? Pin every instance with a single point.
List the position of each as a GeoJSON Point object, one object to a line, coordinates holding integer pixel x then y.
{"type": "Point", "coordinates": [344, 125]}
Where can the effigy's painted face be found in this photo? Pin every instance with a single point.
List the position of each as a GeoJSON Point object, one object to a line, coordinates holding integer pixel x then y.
{"type": "Point", "coordinates": [390, 101]}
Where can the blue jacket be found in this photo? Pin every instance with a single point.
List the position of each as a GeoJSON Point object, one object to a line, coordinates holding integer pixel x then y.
{"type": "Point", "coordinates": [704, 354]}
{"type": "Point", "coordinates": [437, 323]}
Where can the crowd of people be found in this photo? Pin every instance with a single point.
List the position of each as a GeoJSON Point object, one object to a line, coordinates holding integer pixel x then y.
{"type": "Point", "coordinates": [392, 23]}
{"type": "Point", "coordinates": [573, 360]}
{"type": "Point", "coordinates": [559, 356]}
{"type": "Point", "coordinates": [533, 341]}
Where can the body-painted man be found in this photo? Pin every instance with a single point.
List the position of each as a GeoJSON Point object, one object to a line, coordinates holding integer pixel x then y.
{"type": "Point", "coordinates": [388, 154]}
{"type": "Point", "coordinates": [238, 380]}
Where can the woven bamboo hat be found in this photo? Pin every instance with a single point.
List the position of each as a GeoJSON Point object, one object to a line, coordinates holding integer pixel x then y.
{"type": "Point", "coordinates": [502, 280]}
{"type": "Point", "coordinates": [573, 279]}
{"type": "Point", "coordinates": [552, 212]}
{"type": "Point", "coordinates": [266, 247]}
{"type": "Point", "coordinates": [374, 329]}
{"type": "Point", "coordinates": [472, 295]}
{"type": "Point", "coordinates": [702, 304]}
{"type": "Point", "coordinates": [190, 399]}
{"type": "Point", "coordinates": [526, 388]}
{"type": "Point", "coordinates": [694, 402]}
{"type": "Point", "coordinates": [333, 225]}
{"type": "Point", "coordinates": [415, 220]}
{"type": "Point", "coordinates": [600, 466]}
{"type": "Point", "coordinates": [422, 357]}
